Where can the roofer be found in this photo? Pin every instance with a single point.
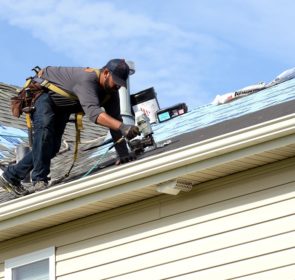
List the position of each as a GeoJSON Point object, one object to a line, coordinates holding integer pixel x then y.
{"type": "Point", "coordinates": [94, 88]}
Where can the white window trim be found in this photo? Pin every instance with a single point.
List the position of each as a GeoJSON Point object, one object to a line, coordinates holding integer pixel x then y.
{"type": "Point", "coordinates": [48, 253]}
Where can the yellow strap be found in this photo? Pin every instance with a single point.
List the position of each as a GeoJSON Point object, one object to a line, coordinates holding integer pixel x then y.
{"type": "Point", "coordinates": [28, 81]}
{"type": "Point", "coordinates": [28, 115]}
{"type": "Point", "coordinates": [79, 127]}
{"type": "Point", "coordinates": [97, 71]}
{"type": "Point", "coordinates": [79, 123]}
{"type": "Point", "coordinates": [58, 90]}
{"type": "Point", "coordinates": [28, 120]}
{"type": "Point", "coordinates": [29, 125]}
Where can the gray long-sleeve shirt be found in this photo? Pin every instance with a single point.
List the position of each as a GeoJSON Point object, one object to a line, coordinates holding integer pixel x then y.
{"type": "Point", "coordinates": [85, 85]}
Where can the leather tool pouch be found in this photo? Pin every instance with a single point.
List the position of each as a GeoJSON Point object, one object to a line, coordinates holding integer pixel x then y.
{"type": "Point", "coordinates": [24, 102]}
{"type": "Point", "coordinates": [16, 105]}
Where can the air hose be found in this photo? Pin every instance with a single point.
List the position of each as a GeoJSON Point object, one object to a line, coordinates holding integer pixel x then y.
{"type": "Point", "coordinates": [97, 162]}
{"type": "Point", "coordinates": [103, 157]}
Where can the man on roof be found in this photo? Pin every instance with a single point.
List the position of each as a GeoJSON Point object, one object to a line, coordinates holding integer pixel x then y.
{"type": "Point", "coordinates": [92, 90]}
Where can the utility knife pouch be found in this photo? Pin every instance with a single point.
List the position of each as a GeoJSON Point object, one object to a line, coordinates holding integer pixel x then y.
{"type": "Point", "coordinates": [16, 104]}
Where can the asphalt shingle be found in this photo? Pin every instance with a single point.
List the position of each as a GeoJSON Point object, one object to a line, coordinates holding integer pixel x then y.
{"type": "Point", "coordinates": [201, 121]}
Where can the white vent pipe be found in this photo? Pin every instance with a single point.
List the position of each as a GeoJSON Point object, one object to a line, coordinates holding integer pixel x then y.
{"type": "Point", "coordinates": [125, 104]}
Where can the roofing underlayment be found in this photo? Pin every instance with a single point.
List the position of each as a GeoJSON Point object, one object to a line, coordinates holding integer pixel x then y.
{"type": "Point", "coordinates": [198, 124]}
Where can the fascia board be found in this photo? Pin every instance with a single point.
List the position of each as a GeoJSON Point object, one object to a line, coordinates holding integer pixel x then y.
{"type": "Point", "coordinates": [144, 172]}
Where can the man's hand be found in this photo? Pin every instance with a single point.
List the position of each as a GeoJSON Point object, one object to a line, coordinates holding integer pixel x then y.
{"type": "Point", "coordinates": [126, 158]}
{"type": "Point", "coordinates": [129, 131]}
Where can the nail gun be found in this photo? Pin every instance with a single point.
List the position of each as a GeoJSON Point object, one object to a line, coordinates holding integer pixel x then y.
{"type": "Point", "coordinates": [138, 145]}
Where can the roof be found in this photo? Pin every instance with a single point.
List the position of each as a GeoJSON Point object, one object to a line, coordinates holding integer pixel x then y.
{"type": "Point", "coordinates": [206, 143]}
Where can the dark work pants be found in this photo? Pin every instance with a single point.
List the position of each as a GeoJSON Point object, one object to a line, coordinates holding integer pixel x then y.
{"type": "Point", "coordinates": [49, 124]}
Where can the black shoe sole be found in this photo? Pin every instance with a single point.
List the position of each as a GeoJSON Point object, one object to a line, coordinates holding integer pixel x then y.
{"type": "Point", "coordinates": [10, 190]}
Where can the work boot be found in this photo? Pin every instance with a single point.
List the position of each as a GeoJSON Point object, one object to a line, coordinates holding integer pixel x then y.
{"type": "Point", "coordinates": [17, 190]}
{"type": "Point", "coordinates": [40, 186]}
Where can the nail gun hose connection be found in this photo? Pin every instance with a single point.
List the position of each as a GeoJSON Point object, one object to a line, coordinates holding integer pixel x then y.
{"type": "Point", "coordinates": [117, 142]}
{"type": "Point", "coordinates": [103, 156]}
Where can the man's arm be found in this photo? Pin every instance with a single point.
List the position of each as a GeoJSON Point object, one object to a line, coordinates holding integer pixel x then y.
{"type": "Point", "coordinates": [106, 120]}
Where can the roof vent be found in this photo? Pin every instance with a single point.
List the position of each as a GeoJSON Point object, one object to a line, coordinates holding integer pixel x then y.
{"type": "Point", "coordinates": [173, 187]}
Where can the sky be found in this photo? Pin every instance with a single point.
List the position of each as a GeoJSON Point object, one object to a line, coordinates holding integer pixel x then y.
{"type": "Point", "coordinates": [189, 50]}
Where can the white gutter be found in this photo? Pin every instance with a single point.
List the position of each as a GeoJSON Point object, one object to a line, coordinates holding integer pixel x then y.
{"type": "Point", "coordinates": [157, 168]}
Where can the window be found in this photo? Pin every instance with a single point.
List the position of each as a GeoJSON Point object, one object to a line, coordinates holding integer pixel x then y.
{"type": "Point", "coordinates": [39, 265]}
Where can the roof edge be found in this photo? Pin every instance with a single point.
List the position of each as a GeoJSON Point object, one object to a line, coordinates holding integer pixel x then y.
{"type": "Point", "coordinates": [148, 167]}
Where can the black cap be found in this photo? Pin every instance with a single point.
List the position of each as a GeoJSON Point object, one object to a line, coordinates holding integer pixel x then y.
{"type": "Point", "coordinates": [119, 70]}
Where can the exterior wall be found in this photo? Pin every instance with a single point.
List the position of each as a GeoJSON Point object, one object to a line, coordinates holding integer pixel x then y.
{"type": "Point", "coordinates": [240, 226]}
{"type": "Point", "coordinates": [1, 272]}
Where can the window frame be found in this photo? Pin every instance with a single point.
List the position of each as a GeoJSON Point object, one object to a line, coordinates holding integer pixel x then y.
{"type": "Point", "coordinates": [26, 259]}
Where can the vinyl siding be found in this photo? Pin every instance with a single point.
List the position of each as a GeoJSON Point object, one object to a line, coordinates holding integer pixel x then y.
{"type": "Point", "coordinates": [250, 235]}
{"type": "Point", "coordinates": [238, 227]}
{"type": "Point", "coordinates": [1, 271]}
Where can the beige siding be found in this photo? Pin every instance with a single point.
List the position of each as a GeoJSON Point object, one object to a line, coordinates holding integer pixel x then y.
{"type": "Point", "coordinates": [204, 246]}
{"type": "Point", "coordinates": [239, 227]}
{"type": "Point", "coordinates": [250, 269]}
{"type": "Point", "coordinates": [1, 271]}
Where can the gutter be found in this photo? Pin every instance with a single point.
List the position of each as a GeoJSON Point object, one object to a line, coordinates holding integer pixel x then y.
{"type": "Point", "coordinates": [152, 170]}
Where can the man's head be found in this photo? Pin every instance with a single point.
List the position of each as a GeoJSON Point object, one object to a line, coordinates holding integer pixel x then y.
{"type": "Point", "coordinates": [119, 71]}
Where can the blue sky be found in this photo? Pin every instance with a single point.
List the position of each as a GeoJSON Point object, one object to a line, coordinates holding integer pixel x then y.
{"type": "Point", "coordinates": [189, 50]}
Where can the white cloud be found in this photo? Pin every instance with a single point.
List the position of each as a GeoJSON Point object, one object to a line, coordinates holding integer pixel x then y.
{"type": "Point", "coordinates": [177, 48]}
{"type": "Point", "coordinates": [92, 32]}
